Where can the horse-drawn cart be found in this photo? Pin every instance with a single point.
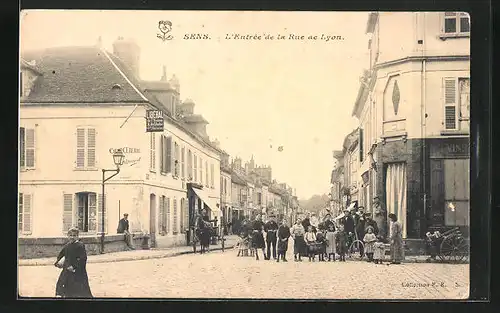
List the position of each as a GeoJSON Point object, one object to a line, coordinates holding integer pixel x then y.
{"type": "Point", "coordinates": [449, 246]}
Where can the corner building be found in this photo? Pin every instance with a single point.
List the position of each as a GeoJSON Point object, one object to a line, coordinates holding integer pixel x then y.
{"type": "Point", "coordinates": [73, 112]}
{"type": "Point", "coordinates": [413, 108]}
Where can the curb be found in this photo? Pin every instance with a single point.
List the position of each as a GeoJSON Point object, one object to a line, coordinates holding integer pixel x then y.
{"type": "Point", "coordinates": [132, 258]}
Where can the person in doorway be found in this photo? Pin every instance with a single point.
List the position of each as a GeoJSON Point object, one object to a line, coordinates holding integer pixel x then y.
{"type": "Point", "coordinates": [258, 237]}
{"type": "Point", "coordinates": [396, 236]}
{"type": "Point", "coordinates": [123, 228]}
{"type": "Point", "coordinates": [271, 227]}
{"type": "Point", "coordinates": [380, 216]}
{"type": "Point", "coordinates": [73, 281]}
{"type": "Point", "coordinates": [298, 232]}
{"type": "Point", "coordinates": [283, 235]}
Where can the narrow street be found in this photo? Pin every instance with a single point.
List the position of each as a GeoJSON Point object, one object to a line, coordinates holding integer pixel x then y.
{"type": "Point", "coordinates": [224, 275]}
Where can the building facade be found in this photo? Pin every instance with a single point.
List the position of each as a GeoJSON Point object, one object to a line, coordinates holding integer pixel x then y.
{"type": "Point", "coordinates": [90, 102]}
{"type": "Point", "coordinates": [413, 107]}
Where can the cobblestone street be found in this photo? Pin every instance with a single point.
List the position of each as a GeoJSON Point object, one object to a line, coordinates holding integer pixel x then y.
{"type": "Point", "coordinates": [223, 275]}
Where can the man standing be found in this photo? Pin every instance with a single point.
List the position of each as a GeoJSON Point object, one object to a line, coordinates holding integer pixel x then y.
{"type": "Point", "coordinates": [348, 223]}
{"type": "Point", "coordinates": [360, 223]}
{"type": "Point", "coordinates": [380, 216]}
{"type": "Point", "coordinates": [306, 222]}
{"type": "Point", "coordinates": [258, 237]}
{"type": "Point", "coordinates": [283, 235]}
{"type": "Point", "coordinates": [123, 227]}
{"type": "Point", "coordinates": [271, 227]}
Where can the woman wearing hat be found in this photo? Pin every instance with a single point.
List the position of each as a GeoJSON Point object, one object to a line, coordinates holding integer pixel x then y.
{"type": "Point", "coordinates": [73, 281]}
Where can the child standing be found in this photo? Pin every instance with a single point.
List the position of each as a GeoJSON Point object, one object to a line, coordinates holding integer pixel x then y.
{"type": "Point", "coordinates": [378, 251]}
{"type": "Point", "coordinates": [330, 243]}
{"type": "Point", "coordinates": [321, 240]}
{"type": "Point", "coordinates": [310, 239]}
{"type": "Point", "coordinates": [369, 240]}
{"type": "Point", "coordinates": [341, 241]}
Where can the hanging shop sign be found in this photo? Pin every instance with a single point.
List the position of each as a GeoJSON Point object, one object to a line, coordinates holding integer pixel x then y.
{"type": "Point", "coordinates": [154, 121]}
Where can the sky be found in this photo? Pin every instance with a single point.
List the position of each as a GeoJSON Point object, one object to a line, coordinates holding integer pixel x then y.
{"type": "Point", "coordinates": [256, 94]}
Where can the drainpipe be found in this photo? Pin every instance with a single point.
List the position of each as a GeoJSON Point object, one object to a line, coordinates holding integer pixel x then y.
{"type": "Point", "coordinates": [423, 115]}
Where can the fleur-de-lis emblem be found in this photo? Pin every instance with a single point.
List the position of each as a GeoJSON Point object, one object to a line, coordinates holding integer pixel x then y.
{"type": "Point", "coordinates": [165, 28]}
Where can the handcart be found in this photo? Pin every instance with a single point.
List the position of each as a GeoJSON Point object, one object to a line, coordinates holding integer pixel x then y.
{"type": "Point", "coordinates": [450, 246]}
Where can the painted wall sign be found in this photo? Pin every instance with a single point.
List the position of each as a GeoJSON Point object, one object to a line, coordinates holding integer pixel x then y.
{"type": "Point", "coordinates": [154, 121]}
{"type": "Point", "coordinates": [450, 149]}
{"type": "Point", "coordinates": [125, 150]}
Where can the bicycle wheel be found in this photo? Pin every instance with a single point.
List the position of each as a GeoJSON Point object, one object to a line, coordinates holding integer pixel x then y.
{"type": "Point", "coordinates": [356, 250]}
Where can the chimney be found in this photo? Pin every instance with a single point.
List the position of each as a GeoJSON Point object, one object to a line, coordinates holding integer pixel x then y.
{"type": "Point", "coordinates": [128, 52]}
{"type": "Point", "coordinates": [164, 75]}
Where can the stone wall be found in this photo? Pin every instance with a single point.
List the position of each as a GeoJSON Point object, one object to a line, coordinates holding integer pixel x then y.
{"type": "Point", "coordinates": [30, 248]}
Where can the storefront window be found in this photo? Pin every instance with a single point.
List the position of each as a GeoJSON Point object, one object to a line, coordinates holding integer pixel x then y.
{"type": "Point", "coordinates": [456, 174]}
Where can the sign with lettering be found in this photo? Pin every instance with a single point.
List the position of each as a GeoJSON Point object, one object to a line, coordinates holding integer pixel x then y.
{"type": "Point", "coordinates": [154, 121]}
{"type": "Point", "coordinates": [450, 148]}
{"type": "Point", "coordinates": [125, 150]}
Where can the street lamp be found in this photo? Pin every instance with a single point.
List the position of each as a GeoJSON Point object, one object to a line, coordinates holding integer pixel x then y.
{"type": "Point", "coordinates": [118, 158]}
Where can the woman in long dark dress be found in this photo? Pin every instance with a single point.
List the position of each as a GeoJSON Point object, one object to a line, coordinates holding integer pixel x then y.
{"type": "Point", "coordinates": [73, 281]}
{"type": "Point", "coordinates": [258, 237]}
{"type": "Point", "coordinates": [204, 232]}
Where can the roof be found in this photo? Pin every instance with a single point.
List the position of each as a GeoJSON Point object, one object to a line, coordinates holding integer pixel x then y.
{"type": "Point", "coordinates": [351, 139]}
{"type": "Point", "coordinates": [25, 64]}
{"type": "Point", "coordinates": [156, 85]}
{"type": "Point", "coordinates": [78, 74]}
{"type": "Point", "coordinates": [195, 118]}
{"type": "Point", "coordinates": [235, 178]}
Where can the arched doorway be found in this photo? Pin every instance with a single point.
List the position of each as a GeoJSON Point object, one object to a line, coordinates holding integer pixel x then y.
{"type": "Point", "coordinates": [152, 219]}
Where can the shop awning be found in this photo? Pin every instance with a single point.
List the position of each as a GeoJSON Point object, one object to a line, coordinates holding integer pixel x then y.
{"type": "Point", "coordinates": [210, 202]}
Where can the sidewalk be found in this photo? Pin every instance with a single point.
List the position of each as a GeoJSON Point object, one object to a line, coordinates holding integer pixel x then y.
{"type": "Point", "coordinates": [134, 255]}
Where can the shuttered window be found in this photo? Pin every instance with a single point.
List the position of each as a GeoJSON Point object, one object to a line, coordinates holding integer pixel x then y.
{"type": "Point", "coordinates": [152, 152]}
{"type": "Point", "coordinates": [190, 165]}
{"type": "Point", "coordinates": [86, 148]}
{"type": "Point", "coordinates": [100, 200]}
{"type": "Point", "coordinates": [25, 213]}
{"type": "Point", "coordinates": [67, 212]}
{"type": "Point", "coordinates": [176, 160]}
{"type": "Point", "coordinates": [200, 166]}
{"type": "Point", "coordinates": [183, 163]}
{"type": "Point", "coordinates": [195, 170]}
{"type": "Point", "coordinates": [450, 103]}
{"type": "Point", "coordinates": [182, 217]}
{"type": "Point", "coordinates": [166, 216]}
{"type": "Point", "coordinates": [212, 176]}
{"type": "Point", "coordinates": [207, 174]}
{"type": "Point", "coordinates": [174, 228]}
{"type": "Point", "coordinates": [168, 156]}
{"type": "Point", "coordinates": [27, 148]}
{"type": "Point", "coordinates": [161, 214]}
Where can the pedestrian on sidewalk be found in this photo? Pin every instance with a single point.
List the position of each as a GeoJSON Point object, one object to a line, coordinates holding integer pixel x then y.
{"type": "Point", "coordinates": [369, 240]}
{"type": "Point", "coordinates": [123, 228]}
{"type": "Point", "coordinates": [271, 227]}
{"type": "Point", "coordinates": [299, 244]}
{"type": "Point", "coordinates": [330, 243]}
{"type": "Point", "coordinates": [73, 281]}
{"type": "Point", "coordinates": [283, 235]}
{"type": "Point", "coordinates": [396, 235]}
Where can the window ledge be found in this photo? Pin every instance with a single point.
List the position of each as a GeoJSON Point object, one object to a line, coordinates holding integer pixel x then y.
{"type": "Point", "coordinates": [444, 36]}
{"type": "Point", "coordinates": [454, 133]}
{"type": "Point", "coordinates": [27, 169]}
{"type": "Point", "coordinates": [86, 169]}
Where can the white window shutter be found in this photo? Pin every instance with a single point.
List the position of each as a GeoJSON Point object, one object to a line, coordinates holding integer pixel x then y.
{"type": "Point", "coordinates": [20, 212]}
{"type": "Point", "coordinates": [92, 198]}
{"type": "Point", "coordinates": [91, 146]}
{"type": "Point", "coordinates": [183, 165]}
{"type": "Point", "coordinates": [450, 103]}
{"type": "Point", "coordinates": [30, 147]}
{"type": "Point", "coordinates": [22, 147]}
{"type": "Point", "coordinates": [174, 228]}
{"type": "Point", "coordinates": [80, 147]}
{"type": "Point", "coordinates": [169, 160]}
{"type": "Point", "coordinates": [152, 152]}
{"type": "Point", "coordinates": [67, 212]}
{"type": "Point", "coordinates": [167, 215]}
{"type": "Point", "coordinates": [27, 213]}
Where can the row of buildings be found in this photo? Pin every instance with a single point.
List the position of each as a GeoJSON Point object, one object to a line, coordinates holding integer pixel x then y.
{"type": "Point", "coordinates": [411, 148]}
{"type": "Point", "coordinates": [78, 105]}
